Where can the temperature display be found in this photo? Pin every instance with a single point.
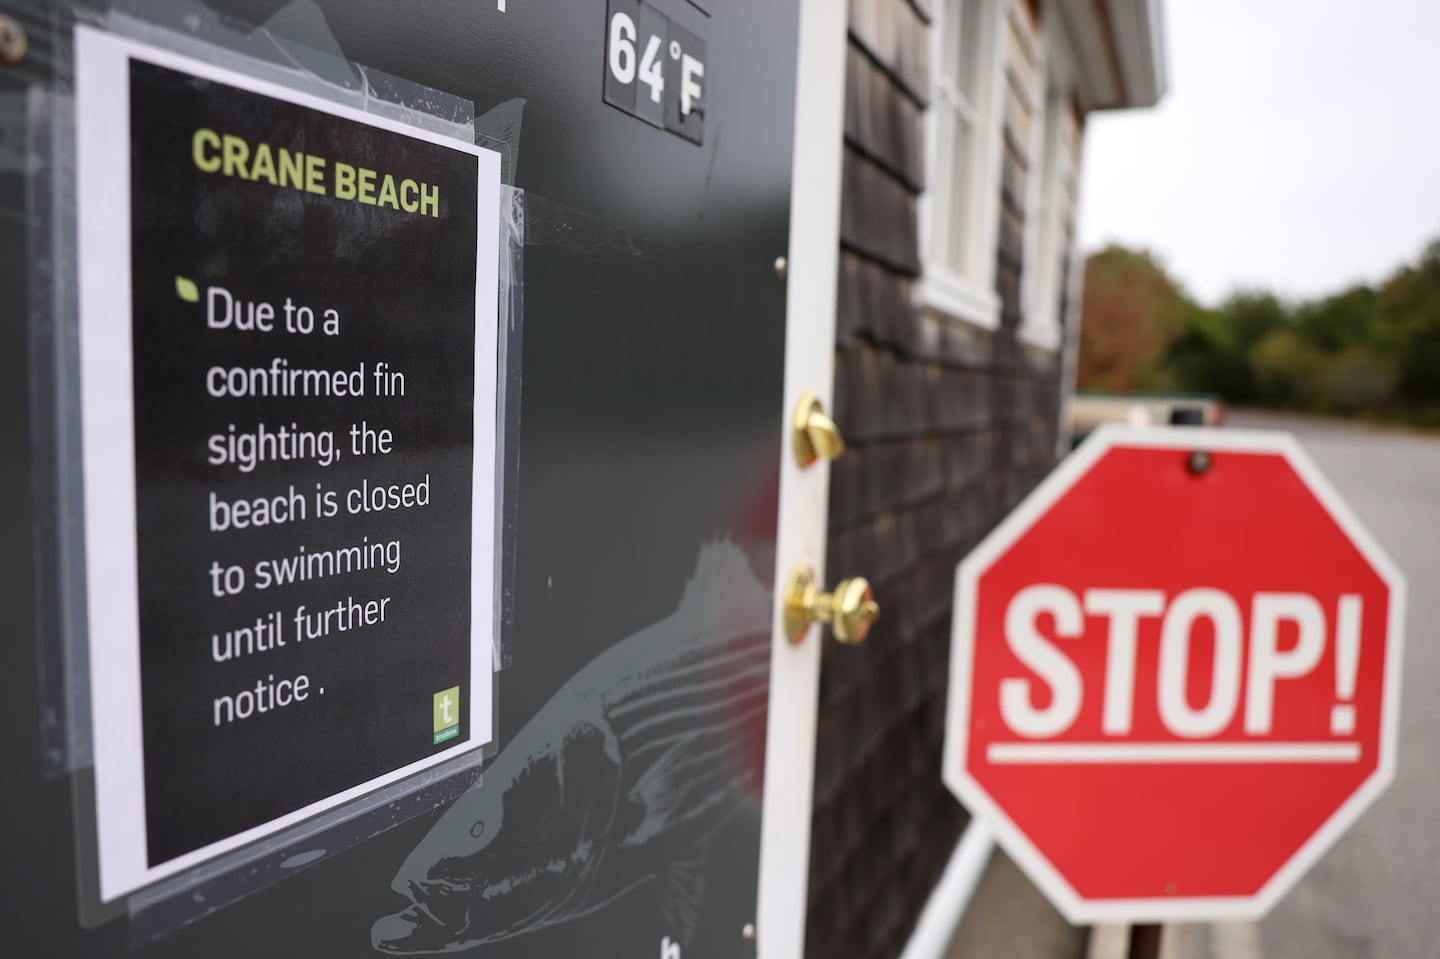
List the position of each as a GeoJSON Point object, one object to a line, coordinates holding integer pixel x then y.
{"type": "Point", "coordinates": [655, 69]}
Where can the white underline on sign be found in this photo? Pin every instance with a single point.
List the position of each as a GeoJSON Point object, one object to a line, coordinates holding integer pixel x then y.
{"type": "Point", "coordinates": [1088, 754]}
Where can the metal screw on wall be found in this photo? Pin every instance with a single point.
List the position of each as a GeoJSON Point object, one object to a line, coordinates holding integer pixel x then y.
{"type": "Point", "coordinates": [13, 42]}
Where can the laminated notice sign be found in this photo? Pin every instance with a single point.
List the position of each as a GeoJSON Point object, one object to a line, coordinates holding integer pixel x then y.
{"type": "Point", "coordinates": [288, 347]}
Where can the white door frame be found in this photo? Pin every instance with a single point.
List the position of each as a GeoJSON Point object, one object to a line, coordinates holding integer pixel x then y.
{"type": "Point", "coordinates": [812, 270]}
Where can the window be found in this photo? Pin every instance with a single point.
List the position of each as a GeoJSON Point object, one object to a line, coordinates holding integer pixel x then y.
{"type": "Point", "coordinates": [959, 211]}
{"type": "Point", "coordinates": [1050, 221]}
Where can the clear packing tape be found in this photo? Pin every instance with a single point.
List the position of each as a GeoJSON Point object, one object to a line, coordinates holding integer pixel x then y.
{"type": "Point", "coordinates": [42, 120]}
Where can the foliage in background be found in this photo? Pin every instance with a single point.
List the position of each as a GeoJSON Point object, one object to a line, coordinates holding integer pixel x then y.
{"type": "Point", "coordinates": [1132, 311]}
{"type": "Point", "coordinates": [1366, 351]}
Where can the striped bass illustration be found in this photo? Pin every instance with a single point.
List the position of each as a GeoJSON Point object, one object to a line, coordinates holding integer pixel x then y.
{"type": "Point", "coordinates": [617, 782]}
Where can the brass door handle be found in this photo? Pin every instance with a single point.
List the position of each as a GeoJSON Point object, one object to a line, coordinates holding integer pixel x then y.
{"type": "Point", "coordinates": [813, 434]}
{"type": "Point", "coordinates": [850, 609]}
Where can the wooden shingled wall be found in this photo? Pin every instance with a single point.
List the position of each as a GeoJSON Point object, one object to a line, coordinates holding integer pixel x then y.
{"type": "Point", "coordinates": [948, 427]}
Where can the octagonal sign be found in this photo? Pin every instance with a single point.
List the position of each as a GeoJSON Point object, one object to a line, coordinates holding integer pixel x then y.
{"type": "Point", "coordinates": [1174, 675]}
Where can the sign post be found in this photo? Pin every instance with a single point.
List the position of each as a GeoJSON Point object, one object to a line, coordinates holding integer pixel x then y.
{"type": "Point", "coordinates": [1174, 675]}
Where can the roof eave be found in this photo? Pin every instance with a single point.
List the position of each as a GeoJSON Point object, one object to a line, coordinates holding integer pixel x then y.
{"type": "Point", "coordinates": [1138, 29]}
{"type": "Point", "coordinates": [1120, 51]}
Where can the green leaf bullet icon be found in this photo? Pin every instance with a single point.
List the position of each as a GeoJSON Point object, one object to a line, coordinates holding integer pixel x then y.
{"type": "Point", "coordinates": [187, 290]}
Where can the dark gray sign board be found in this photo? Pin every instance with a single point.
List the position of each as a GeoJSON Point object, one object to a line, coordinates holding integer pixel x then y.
{"type": "Point", "coordinates": [649, 450]}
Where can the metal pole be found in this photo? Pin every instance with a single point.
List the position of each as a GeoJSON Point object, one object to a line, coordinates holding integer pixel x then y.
{"type": "Point", "coordinates": [1145, 938]}
{"type": "Point", "coordinates": [1144, 941]}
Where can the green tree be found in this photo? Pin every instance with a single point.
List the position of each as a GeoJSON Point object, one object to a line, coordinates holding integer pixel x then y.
{"type": "Point", "coordinates": [1356, 381]}
{"type": "Point", "coordinates": [1367, 350]}
{"type": "Point", "coordinates": [1413, 298]}
{"type": "Point", "coordinates": [1349, 320]}
{"type": "Point", "coordinates": [1252, 315]}
{"type": "Point", "coordinates": [1207, 357]}
{"type": "Point", "coordinates": [1287, 370]}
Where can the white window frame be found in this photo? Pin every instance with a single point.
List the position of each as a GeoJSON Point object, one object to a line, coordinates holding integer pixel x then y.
{"type": "Point", "coordinates": [968, 294]}
{"type": "Point", "coordinates": [1044, 279]}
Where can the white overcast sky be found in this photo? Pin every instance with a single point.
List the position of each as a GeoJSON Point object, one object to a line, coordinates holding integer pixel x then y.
{"type": "Point", "coordinates": [1297, 149]}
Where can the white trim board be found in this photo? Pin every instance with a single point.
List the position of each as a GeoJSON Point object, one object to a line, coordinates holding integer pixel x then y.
{"type": "Point", "coordinates": [952, 894]}
{"type": "Point", "coordinates": [812, 270]}
{"type": "Point", "coordinates": [967, 298]}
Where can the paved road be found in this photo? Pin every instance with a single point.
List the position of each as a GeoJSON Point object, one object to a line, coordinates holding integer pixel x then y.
{"type": "Point", "coordinates": [1377, 893]}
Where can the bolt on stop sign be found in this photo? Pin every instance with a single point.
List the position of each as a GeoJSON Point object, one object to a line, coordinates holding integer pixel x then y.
{"type": "Point", "coordinates": [1174, 675]}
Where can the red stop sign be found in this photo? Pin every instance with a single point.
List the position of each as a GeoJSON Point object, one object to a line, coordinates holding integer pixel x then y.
{"type": "Point", "coordinates": [1174, 675]}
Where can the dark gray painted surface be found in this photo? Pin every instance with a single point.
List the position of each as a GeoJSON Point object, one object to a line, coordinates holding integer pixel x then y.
{"type": "Point", "coordinates": [647, 505]}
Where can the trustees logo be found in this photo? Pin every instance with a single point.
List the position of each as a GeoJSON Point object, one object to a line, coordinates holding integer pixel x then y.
{"type": "Point", "coordinates": [447, 714]}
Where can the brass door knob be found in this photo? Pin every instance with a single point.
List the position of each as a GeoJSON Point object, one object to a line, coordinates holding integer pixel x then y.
{"type": "Point", "coordinates": [850, 610]}
{"type": "Point", "coordinates": [813, 434]}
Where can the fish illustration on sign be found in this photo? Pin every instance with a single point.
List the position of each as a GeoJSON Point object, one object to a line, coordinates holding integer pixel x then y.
{"type": "Point", "coordinates": [619, 781]}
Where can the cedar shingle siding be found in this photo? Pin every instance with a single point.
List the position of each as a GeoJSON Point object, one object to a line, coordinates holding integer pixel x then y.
{"type": "Point", "coordinates": [948, 426]}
